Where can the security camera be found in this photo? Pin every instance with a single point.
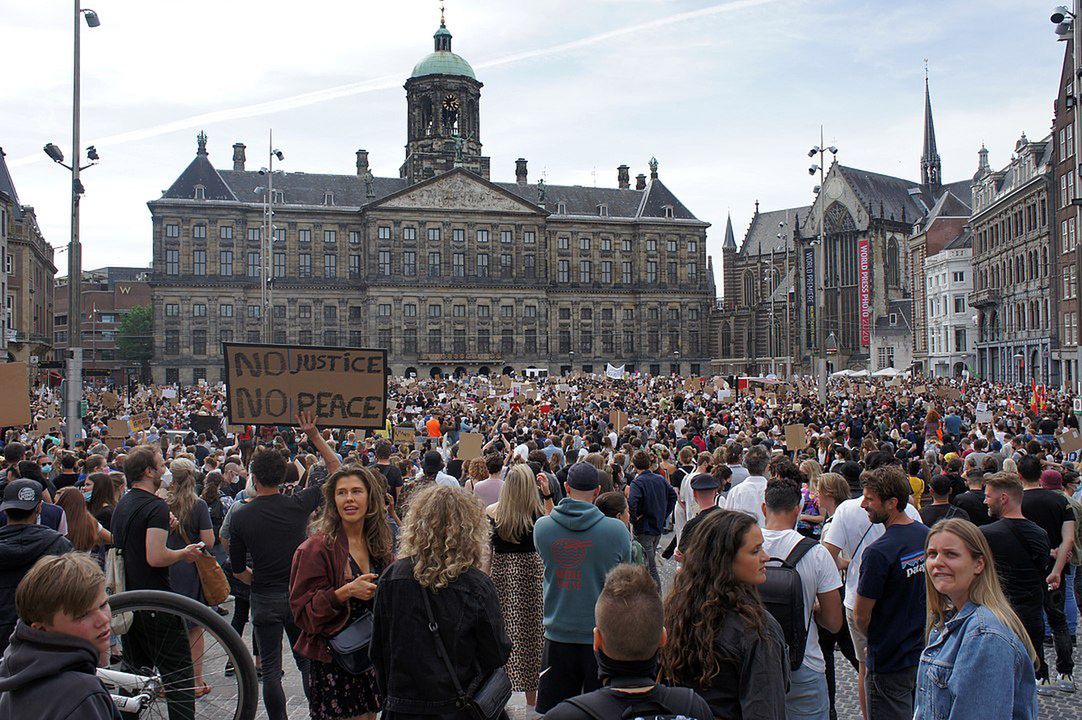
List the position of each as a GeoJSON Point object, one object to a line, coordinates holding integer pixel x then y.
{"type": "Point", "coordinates": [55, 154]}
{"type": "Point", "coordinates": [1059, 14]}
{"type": "Point", "coordinates": [812, 169]}
{"type": "Point", "coordinates": [813, 151]}
{"type": "Point", "coordinates": [92, 154]}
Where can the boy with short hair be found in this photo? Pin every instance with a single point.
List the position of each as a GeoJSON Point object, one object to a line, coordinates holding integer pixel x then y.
{"type": "Point", "coordinates": [627, 661]}
{"type": "Point", "coordinates": [48, 671]}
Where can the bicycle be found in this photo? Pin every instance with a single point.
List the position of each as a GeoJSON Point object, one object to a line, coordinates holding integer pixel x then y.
{"type": "Point", "coordinates": [140, 690]}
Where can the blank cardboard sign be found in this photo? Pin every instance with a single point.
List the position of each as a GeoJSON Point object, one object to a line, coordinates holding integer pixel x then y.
{"type": "Point", "coordinates": [15, 399]}
{"type": "Point", "coordinates": [796, 438]}
{"type": "Point", "coordinates": [469, 445]}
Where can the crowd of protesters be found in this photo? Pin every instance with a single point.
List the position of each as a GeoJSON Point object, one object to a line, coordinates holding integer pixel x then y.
{"type": "Point", "coordinates": [927, 532]}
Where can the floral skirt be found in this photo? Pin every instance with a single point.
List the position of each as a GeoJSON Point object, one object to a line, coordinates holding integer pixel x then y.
{"type": "Point", "coordinates": [517, 577]}
{"type": "Point", "coordinates": [335, 694]}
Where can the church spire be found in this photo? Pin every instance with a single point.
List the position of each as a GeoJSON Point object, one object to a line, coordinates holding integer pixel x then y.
{"type": "Point", "coordinates": [730, 241]}
{"type": "Point", "coordinates": [930, 170]}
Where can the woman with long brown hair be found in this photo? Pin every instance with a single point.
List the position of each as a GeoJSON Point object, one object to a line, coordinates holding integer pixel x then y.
{"type": "Point", "coordinates": [107, 488]}
{"type": "Point", "coordinates": [332, 584]}
{"type": "Point", "coordinates": [722, 641]}
{"type": "Point", "coordinates": [193, 525]}
{"type": "Point", "coordinates": [84, 530]}
{"type": "Point", "coordinates": [978, 655]}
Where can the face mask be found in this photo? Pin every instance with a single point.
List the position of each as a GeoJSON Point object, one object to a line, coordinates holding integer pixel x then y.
{"type": "Point", "coordinates": [46, 469]}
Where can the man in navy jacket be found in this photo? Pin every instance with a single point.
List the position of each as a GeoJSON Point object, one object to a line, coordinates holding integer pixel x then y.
{"type": "Point", "coordinates": [650, 501]}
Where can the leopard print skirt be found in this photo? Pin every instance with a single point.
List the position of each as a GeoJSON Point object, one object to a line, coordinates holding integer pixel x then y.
{"type": "Point", "coordinates": [517, 577]}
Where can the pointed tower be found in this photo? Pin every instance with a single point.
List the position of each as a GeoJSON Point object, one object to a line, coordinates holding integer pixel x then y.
{"type": "Point", "coordinates": [930, 170]}
{"type": "Point", "coordinates": [728, 265]}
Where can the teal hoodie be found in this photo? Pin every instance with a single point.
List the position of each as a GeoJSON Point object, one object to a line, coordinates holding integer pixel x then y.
{"type": "Point", "coordinates": [579, 545]}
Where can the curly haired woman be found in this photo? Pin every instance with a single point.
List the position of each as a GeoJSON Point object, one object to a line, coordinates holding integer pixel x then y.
{"type": "Point", "coordinates": [722, 642]}
{"type": "Point", "coordinates": [440, 550]}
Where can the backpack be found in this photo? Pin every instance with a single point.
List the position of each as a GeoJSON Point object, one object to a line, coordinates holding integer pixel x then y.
{"type": "Point", "coordinates": [783, 597]}
{"type": "Point", "coordinates": [676, 703]}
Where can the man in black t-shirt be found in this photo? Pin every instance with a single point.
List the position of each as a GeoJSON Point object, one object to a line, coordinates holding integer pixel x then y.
{"type": "Point", "coordinates": [140, 526]}
{"type": "Point", "coordinates": [390, 473]}
{"type": "Point", "coordinates": [941, 507]}
{"type": "Point", "coordinates": [283, 519]}
{"type": "Point", "coordinates": [1020, 550]}
{"type": "Point", "coordinates": [1050, 510]}
{"type": "Point", "coordinates": [972, 500]}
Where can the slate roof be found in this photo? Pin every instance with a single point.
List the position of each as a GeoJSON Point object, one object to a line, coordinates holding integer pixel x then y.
{"type": "Point", "coordinates": [300, 188]}
{"type": "Point", "coordinates": [903, 309]}
{"type": "Point", "coordinates": [964, 241]}
{"type": "Point", "coordinates": [763, 231]}
{"type": "Point", "coordinates": [7, 186]}
{"type": "Point", "coordinates": [873, 189]}
{"type": "Point", "coordinates": [730, 241]}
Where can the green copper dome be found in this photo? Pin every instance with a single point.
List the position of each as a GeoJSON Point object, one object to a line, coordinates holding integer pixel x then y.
{"type": "Point", "coordinates": [443, 61]}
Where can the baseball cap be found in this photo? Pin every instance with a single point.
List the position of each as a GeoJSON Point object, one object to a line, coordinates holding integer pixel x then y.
{"type": "Point", "coordinates": [21, 494]}
{"type": "Point", "coordinates": [583, 476]}
{"type": "Point", "coordinates": [704, 481]}
{"type": "Point", "coordinates": [1051, 480]}
{"type": "Point", "coordinates": [432, 462]}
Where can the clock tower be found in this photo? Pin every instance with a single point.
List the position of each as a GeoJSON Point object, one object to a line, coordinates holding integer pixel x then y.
{"type": "Point", "coordinates": [443, 129]}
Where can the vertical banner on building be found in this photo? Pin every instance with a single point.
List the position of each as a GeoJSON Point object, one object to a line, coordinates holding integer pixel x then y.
{"type": "Point", "coordinates": [809, 295]}
{"type": "Point", "coordinates": [865, 292]}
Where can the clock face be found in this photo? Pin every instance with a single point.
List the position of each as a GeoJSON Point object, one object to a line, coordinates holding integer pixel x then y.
{"type": "Point", "coordinates": [450, 103]}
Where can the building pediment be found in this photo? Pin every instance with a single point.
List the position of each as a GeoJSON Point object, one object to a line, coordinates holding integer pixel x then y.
{"type": "Point", "coordinates": [458, 190]}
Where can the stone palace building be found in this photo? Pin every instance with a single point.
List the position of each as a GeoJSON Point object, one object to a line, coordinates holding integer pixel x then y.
{"type": "Point", "coordinates": [449, 271]}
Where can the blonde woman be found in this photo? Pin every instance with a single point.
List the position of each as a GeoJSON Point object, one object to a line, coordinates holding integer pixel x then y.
{"type": "Point", "coordinates": [193, 525]}
{"type": "Point", "coordinates": [978, 655]}
{"type": "Point", "coordinates": [810, 522]}
{"type": "Point", "coordinates": [441, 550]}
{"type": "Point", "coordinates": [517, 573]}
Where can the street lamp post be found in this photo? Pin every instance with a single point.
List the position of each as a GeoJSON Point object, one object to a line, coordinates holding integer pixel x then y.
{"type": "Point", "coordinates": [266, 280]}
{"type": "Point", "coordinates": [74, 382]}
{"type": "Point", "coordinates": [820, 259]}
{"type": "Point", "coordinates": [783, 226]}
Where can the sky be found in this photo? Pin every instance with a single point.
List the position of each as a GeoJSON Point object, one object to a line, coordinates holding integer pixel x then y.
{"type": "Point", "coordinates": [727, 95]}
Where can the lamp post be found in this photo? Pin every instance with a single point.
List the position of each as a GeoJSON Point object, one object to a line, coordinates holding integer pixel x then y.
{"type": "Point", "coordinates": [676, 360]}
{"type": "Point", "coordinates": [266, 276]}
{"type": "Point", "coordinates": [571, 354]}
{"type": "Point", "coordinates": [785, 243]}
{"type": "Point", "coordinates": [820, 259]}
{"type": "Point", "coordinates": [74, 381]}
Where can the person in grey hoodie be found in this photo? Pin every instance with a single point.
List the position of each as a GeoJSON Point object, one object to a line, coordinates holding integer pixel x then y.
{"type": "Point", "coordinates": [49, 670]}
{"type": "Point", "coordinates": [22, 543]}
{"type": "Point", "coordinates": [578, 545]}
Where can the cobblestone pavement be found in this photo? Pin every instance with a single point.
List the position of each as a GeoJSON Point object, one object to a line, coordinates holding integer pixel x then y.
{"type": "Point", "coordinates": [1060, 706]}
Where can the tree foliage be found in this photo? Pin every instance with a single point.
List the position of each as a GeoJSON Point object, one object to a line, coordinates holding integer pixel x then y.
{"type": "Point", "coordinates": [135, 336]}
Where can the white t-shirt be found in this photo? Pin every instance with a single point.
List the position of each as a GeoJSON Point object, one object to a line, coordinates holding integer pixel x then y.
{"type": "Point", "coordinates": [851, 531]}
{"type": "Point", "coordinates": [748, 497]}
{"type": "Point", "coordinates": [818, 574]}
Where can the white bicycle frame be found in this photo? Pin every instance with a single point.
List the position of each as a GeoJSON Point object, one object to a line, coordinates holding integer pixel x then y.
{"type": "Point", "coordinates": [139, 684]}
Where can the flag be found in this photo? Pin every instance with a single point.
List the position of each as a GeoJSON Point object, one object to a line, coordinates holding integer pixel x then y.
{"type": "Point", "coordinates": [1033, 403]}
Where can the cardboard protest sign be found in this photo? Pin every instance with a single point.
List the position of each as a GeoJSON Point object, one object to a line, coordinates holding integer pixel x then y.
{"type": "Point", "coordinates": [113, 443]}
{"type": "Point", "coordinates": [1070, 441]}
{"type": "Point", "coordinates": [110, 400]}
{"type": "Point", "coordinates": [140, 421]}
{"type": "Point", "coordinates": [920, 389]}
{"type": "Point", "coordinates": [15, 399]}
{"type": "Point", "coordinates": [271, 384]}
{"type": "Point", "coordinates": [949, 393]}
{"type": "Point", "coordinates": [48, 425]}
{"type": "Point", "coordinates": [469, 445]}
{"type": "Point", "coordinates": [618, 419]}
{"type": "Point", "coordinates": [118, 428]}
{"type": "Point", "coordinates": [984, 416]}
{"type": "Point", "coordinates": [796, 437]}
{"type": "Point", "coordinates": [403, 435]}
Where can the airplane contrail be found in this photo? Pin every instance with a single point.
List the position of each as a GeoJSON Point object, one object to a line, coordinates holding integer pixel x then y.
{"type": "Point", "coordinates": [387, 82]}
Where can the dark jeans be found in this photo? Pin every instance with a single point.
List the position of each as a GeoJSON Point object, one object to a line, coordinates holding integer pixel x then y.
{"type": "Point", "coordinates": [1061, 637]}
{"type": "Point", "coordinates": [649, 545]}
{"type": "Point", "coordinates": [567, 670]}
{"type": "Point", "coordinates": [843, 641]}
{"type": "Point", "coordinates": [270, 617]}
{"type": "Point", "coordinates": [890, 695]}
{"type": "Point", "coordinates": [241, 609]}
{"type": "Point", "coordinates": [160, 641]}
{"type": "Point", "coordinates": [1035, 629]}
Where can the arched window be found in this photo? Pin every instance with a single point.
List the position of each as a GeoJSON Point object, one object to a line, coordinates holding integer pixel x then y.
{"type": "Point", "coordinates": [894, 270]}
{"type": "Point", "coordinates": [1044, 262]}
{"type": "Point", "coordinates": [749, 288]}
{"type": "Point", "coordinates": [749, 343]}
{"type": "Point", "coordinates": [727, 340]}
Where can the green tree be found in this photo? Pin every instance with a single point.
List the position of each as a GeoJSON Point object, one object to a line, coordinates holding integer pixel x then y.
{"type": "Point", "coordinates": [135, 336]}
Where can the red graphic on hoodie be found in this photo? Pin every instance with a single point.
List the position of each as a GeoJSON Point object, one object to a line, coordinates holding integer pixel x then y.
{"type": "Point", "coordinates": [568, 555]}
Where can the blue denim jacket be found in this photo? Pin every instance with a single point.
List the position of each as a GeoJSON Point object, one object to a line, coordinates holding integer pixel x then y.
{"type": "Point", "coordinates": [973, 669]}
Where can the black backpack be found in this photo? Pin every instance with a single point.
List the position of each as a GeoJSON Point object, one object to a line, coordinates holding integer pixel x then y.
{"type": "Point", "coordinates": [661, 703]}
{"type": "Point", "coordinates": [783, 597]}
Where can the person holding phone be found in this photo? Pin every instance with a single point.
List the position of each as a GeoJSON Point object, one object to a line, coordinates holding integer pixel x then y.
{"type": "Point", "coordinates": [333, 583]}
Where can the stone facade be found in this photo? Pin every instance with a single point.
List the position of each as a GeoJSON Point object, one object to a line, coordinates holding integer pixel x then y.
{"type": "Point", "coordinates": [452, 273]}
{"type": "Point", "coordinates": [951, 330]}
{"type": "Point", "coordinates": [1014, 266]}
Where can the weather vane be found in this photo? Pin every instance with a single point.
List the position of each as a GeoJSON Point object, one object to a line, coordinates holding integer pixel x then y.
{"type": "Point", "coordinates": [442, 22]}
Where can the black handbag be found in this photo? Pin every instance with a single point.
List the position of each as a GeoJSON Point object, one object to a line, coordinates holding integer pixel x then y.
{"type": "Point", "coordinates": [349, 647]}
{"type": "Point", "coordinates": [490, 699]}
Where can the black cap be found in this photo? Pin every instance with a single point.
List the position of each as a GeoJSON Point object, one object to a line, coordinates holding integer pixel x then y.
{"type": "Point", "coordinates": [583, 476]}
{"type": "Point", "coordinates": [21, 494]}
{"type": "Point", "coordinates": [704, 481]}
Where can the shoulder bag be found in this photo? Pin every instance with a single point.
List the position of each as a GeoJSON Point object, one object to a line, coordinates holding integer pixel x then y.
{"type": "Point", "coordinates": [349, 647]}
{"type": "Point", "coordinates": [211, 576]}
{"type": "Point", "coordinates": [490, 699]}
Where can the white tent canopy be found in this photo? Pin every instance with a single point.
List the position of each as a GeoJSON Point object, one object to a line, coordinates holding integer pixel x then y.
{"type": "Point", "coordinates": [842, 373]}
{"type": "Point", "coordinates": [887, 372]}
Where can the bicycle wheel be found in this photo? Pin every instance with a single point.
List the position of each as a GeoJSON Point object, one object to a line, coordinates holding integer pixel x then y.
{"type": "Point", "coordinates": [163, 650]}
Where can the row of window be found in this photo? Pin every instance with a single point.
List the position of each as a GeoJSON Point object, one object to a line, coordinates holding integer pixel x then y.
{"type": "Point", "coordinates": [939, 340]}
{"type": "Point", "coordinates": [1015, 224]}
{"type": "Point", "coordinates": [935, 307]}
{"type": "Point", "coordinates": [1007, 272]}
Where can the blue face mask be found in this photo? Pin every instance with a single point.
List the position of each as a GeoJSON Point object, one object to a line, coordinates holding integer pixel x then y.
{"type": "Point", "coordinates": [46, 469]}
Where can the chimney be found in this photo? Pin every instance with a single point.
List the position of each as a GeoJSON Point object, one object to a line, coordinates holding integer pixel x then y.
{"type": "Point", "coordinates": [640, 182]}
{"type": "Point", "coordinates": [362, 162]}
{"type": "Point", "coordinates": [623, 177]}
{"type": "Point", "coordinates": [238, 156]}
{"type": "Point", "coordinates": [520, 171]}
